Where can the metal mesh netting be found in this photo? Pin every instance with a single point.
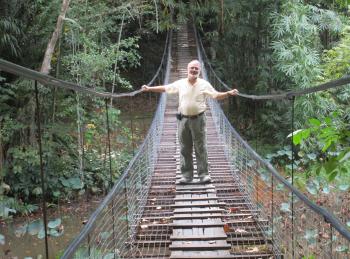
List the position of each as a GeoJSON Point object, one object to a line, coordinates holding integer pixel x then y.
{"type": "Point", "coordinates": [289, 224]}
{"type": "Point", "coordinates": [111, 229]}
{"type": "Point", "coordinates": [292, 225]}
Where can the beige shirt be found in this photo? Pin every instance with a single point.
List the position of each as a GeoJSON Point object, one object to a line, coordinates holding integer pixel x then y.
{"type": "Point", "coordinates": [192, 98]}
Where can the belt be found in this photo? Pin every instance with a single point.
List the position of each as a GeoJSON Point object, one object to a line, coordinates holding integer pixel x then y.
{"type": "Point", "coordinates": [193, 116]}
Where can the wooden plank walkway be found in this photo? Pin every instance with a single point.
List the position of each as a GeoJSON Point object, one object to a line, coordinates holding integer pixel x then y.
{"type": "Point", "coordinates": [196, 220]}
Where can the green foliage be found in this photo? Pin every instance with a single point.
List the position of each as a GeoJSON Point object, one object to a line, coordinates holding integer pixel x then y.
{"type": "Point", "coordinates": [335, 66]}
{"type": "Point", "coordinates": [10, 36]}
{"type": "Point", "coordinates": [36, 228]}
{"type": "Point", "coordinates": [90, 53]}
{"type": "Point", "coordinates": [297, 44]}
{"type": "Point", "coordinates": [331, 140]}
{"type": "Point", "coordinates": [94, 66]}
{"type": "Point", "coordinates": [2, 240]}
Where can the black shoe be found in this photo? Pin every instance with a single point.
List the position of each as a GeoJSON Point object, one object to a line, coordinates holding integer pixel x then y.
{"type": "Point", "coordinates": [205, 179]}
{"type": "Point", "coordinates": [184, 180]}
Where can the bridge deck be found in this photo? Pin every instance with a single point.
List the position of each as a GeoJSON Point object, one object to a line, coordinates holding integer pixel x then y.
{"type": "Point", "coordinates": [197, 220]}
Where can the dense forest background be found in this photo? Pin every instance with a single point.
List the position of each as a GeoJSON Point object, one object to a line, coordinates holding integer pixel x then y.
{"type": "Point", "coordinates": [260, 47]}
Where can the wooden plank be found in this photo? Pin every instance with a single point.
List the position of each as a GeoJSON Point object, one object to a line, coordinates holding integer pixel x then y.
{"type": "Point", "coordinates": [195, 191]}
{"type": "Point", "coordinates": [199, 245]}
{"type": "Point", "coordinates": [192, 224]}
{"type": "Point", "coordinates": [198, 216]}
{"type": "Point", "coordinates": [193, 205]}
{"type": "Point", "coordinates": [196, 199]}
{"type": "Point", "coordinates": [192, 187]}
{"type": "Point", "coordinates": [218, 254]}
{"type": "Point", "coordinates": [247, 222]}
{"type": "Point", "coordinates": [199, 237]}
{"type": "Point", "coordinates": [248, 240]}
{"type": "Point", "coordinates": [197, 210]}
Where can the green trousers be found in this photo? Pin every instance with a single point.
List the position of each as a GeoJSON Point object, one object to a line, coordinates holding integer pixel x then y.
{"type": "Point", "coordinates": [192, 133]}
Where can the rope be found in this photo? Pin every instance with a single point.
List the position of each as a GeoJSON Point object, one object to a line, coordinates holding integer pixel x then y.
{"type": "Point", "coordinates": [51, 81]}
{"type": "Point", "coordinates": [286, 95]}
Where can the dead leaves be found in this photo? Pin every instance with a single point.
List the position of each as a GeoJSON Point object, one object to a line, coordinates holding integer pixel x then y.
{"type": "Point", "coordinates": [233, 210]}
{"type": "Point", "coordinates": [240, 230]}
{"type": "Point", "coordinates": [227, 228]}
{"type": "Point", "coordinates": [251, 249]}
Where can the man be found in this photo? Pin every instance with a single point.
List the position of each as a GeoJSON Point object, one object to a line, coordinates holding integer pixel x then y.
{"type": "Point", "coordinates": [193, 92]}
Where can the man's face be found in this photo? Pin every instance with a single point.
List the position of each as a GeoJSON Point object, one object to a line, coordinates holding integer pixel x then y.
{"type": "Point", "coordinates": [193, 70]}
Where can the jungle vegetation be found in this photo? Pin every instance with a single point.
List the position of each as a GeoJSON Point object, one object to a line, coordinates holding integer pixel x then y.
{"type": "Point", "coordinates": [260, 47]}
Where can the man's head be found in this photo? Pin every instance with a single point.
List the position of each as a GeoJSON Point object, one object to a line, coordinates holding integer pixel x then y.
{"type": "Point", "coordinates": [193, 69]}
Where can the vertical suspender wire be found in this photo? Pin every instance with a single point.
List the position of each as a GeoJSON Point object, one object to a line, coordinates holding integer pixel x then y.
{"type": "Point", "coordinates": [109, 146]}
{"type": "Point", "coordinates": [110, 175]}
{"type": "Point", "coordinates": [256, 150]}
{"type": "Point", "coordinates": [89, 248]}
{"type": "Point", "coordinates": [38, 118]}
{"type": "Point", "coordinates": [293, 243]}
{"type": "Point", "coordinates": [272, 211]}
{"type": "Point", "coordinates": [132, 128]}
{"type": "Point", "coordinates": [331, 243]}
{"type": "Point", "coordinates": [127, 209]}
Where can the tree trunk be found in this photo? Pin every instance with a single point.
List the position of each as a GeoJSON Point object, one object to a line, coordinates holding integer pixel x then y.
{"type": "Point", "coordinates": [222, 17]}
{"type": "Point", "coordinates": [46, 65]}
{"type": "Point", "coordinates": [1, 155]}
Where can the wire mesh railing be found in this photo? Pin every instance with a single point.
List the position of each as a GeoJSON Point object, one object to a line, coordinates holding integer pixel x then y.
{"type": "Point", "coordinates": [110, 231]}
{"type": "Point", "coordinates": [294, 226]}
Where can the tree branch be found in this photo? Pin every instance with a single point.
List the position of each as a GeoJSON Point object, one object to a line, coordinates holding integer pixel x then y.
{"type": "Point", "coordinates": [46, 65]}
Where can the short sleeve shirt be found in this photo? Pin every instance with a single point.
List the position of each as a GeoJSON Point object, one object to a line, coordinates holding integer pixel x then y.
{"type": "Point", "coordinates": [192, 98]}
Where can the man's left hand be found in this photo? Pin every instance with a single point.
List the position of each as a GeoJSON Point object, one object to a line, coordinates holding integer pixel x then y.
{"type": "Point", "coordinates": [233, 92]}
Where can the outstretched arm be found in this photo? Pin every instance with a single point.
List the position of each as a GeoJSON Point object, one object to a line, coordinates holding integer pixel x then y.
{"type": "Point", "coordinates": [223, 95]}
{"type": "Point", "coordinates": [155, 89]}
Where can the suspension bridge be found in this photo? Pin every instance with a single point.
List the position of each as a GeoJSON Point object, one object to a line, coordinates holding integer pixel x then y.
{"type": "Point", "coordinates": [248, 211]}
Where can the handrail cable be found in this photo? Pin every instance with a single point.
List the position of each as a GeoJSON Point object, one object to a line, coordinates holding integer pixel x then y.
{"type": "Point", "coordinates": [329, 217]}
{"type": "Point", "coordinates": [286, 95]}
{"type": "Point", "coordinates": [31, 74]}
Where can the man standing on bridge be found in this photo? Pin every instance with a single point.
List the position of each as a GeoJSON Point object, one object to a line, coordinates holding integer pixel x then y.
{"type": "Point", "coordinates": [193, 92]}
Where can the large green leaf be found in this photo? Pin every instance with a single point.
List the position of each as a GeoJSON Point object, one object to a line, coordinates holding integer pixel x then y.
{"type": "Point", "coordinates": [5, 211]}
{"type": "Point", "coordinates": [315, 122]}
{"type": "Point", "coordinates": [21, 230]}
{"type": "Point", "coordinates": [54, 223]}
{"type": "Point", "coordinates": [2, 239]}
{"type": "Point", "coordinates": [55, 233]}
{"type": "Point", "coordinates": [76, 183]}
{"type": "Point", "coordinates": [342, 249]}
{"type": "Point", "coordinates": [310, 235]}
{"type": "Point", "coordinates": [109, 256]}
{"type": "Point", "coordinates": [344, 187]}
{"type": "Point", "coordinates": [311, 188]}
{"type": "Point", "coordinates": [41, 233]}
{"type": "Point", "coordinates": [35, 227]}
{"type": "Point", "coordinates": [285, 207]}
